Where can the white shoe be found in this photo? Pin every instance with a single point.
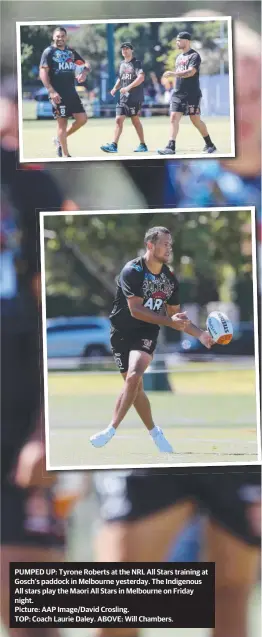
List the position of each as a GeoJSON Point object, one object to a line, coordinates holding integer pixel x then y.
{"type": "Point", "coordinates": [103, 437]}
{"type": "Point", "coordinates": [161, 442]}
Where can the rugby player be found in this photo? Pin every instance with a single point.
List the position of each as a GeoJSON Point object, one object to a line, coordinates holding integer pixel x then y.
{"type": "Point", "coordinates": [146, 298]}
{"type": "Point", "coordinates": [130, 81]}
{"type": "Point", "coordinates": [187, 94]}
{"type": "Point", "coordinates": [30, 528]}
{"type": "Point", "coordinates": [144, 510]}
{"type": "Point", "coordinates": [57, 72]}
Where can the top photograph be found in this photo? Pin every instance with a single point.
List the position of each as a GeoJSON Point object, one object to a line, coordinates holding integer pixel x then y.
{"type": "Point", "coordinates": [103, 90]}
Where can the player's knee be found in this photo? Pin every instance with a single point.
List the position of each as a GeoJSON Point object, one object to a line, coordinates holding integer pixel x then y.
{"type": "Point", "coordinates": [119, 121]}
{"type": "Point", "coordinates": [133, 379]}
{"type": "Point", "coordinates": [84, 118]}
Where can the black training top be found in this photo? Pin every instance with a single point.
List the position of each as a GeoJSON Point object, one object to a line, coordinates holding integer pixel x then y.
{"type": "Point", "coordinates": [128, 72]}
{"type": "Point", "coordinates": [156, 290]}
{"type": "Point", "coordinates": [188, 87]}
{"type": "Point", "coordinates": [61, 65]}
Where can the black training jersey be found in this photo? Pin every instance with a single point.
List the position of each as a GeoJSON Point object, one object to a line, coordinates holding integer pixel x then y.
{"type": "Point", "coordinates": [61, 65]}
{"type": "Point", "coordinates": [189, 86]}
{"type": "Point", "coordinates": [128, 72]}
{"type": "Point", "coordinates": [156, 290]}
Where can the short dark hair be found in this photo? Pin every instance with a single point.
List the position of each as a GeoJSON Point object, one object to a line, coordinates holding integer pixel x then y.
{"type": "Point", "coordinates": [60, 29]}
{"type": "Point", "coordinates": [153, 234]}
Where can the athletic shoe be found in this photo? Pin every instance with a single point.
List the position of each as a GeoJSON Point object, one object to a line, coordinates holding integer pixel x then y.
{"type": "Point", "coordinates": [109, 148]}
{"type": "Point", "coordinates": [209, 149]}
{"type": "Point", "coordinates": [142, 148]}
{"type": "Point", "coordinates": [167, 151]}
{"type": "Point", "coordinates": [161, 442]}
{"type": "Point", "coordinates": [58, 147]}
{"type": "Point", "coordinates": [103, 437]}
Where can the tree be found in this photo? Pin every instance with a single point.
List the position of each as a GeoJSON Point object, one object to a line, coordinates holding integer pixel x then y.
{"type": "Point", "coordinates": [206, 247]}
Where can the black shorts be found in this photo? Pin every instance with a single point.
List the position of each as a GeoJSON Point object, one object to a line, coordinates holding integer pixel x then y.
{"type": "Point", "coordinates": [28, 518]}
{"type": "Point", "coordinates": [122, 345]}
{"type": "Point", "coordinates": [187, 106]}
{"type": "Point", "coordinates": [68, 106]}
{"type": "Point", "coordinates": [128, 110]}
{"type": "Point", "coordinates": [225, 494]}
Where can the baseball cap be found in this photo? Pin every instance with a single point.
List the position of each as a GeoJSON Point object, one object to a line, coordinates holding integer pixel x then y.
{"type": "Point", "coordinates": [127, 44]}
{"type": "Point", "coordinates": [184, 35]}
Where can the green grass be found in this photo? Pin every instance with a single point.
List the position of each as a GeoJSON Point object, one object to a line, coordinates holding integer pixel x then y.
{"type": "Point", "coordinates": [37, 136]}
{"type": "Point", "coordinates": [209, 417]}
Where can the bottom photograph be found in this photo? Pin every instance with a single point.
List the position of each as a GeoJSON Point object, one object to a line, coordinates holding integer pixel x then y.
{"type": "Point", "coordinates": [150, 338]}
{"type": "Point", "coordinates": [185, 518]}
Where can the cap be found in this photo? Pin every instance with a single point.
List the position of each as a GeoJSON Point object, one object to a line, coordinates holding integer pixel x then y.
{"type": "Point", "coordinates": [127, 45]}
{"type": "Point", "coordinates": [184, 35]}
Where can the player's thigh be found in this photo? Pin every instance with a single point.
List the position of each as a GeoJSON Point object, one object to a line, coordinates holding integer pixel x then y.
{"type": "Point", "coordinates": [236, 561]}
{"type": "Point", "coordinates": [138, 362]}
{"type": "Point", "coordinates": [80, 118]}
{"type": "Point", "coordinates": [13, 553]}
{"type": "Point", "coordinates": [144, 540]}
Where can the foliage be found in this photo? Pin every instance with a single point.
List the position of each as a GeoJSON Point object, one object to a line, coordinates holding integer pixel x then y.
{"type": "Point", "coordinates": [154, 43]}
{"type": "Point", "coordinates": [206, 247]}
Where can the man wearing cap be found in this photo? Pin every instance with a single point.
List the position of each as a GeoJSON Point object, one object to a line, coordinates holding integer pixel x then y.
{"type": "Point", "coordinates": [186, 95]}
{"type": "Point", "coordinates": [130, 81]}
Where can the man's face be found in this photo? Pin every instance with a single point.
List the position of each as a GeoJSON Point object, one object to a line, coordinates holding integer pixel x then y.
{"type": "Point", "coordinates": [126, 52]}
{"type": "Point", "coordinates": [161, 251]}
{"type": "Point", "coordinates": [181, 44]}
{"type": "Point", "coordinates": [60, 39]}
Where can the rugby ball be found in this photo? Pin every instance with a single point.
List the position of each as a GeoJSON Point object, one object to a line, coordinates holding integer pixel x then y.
{"type": "Point", "coordinates": [220, 328]}
{"type": "Point", "coordinates": [79, 67]}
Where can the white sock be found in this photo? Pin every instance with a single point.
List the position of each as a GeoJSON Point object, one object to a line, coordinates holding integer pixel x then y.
{"type": "Point", "coordinates": [110, 429]}
{"type": "Point", "coordinates": [154, 432]}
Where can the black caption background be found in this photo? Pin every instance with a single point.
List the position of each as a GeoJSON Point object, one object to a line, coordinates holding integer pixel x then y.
{"type": "Point", "coordinates": [181, 610]}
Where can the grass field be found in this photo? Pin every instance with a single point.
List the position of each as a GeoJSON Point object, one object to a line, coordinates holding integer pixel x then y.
{"type": "Point", "coordinates": [209, 417]}
{"type": "Point", "coordinates": [37, 137]}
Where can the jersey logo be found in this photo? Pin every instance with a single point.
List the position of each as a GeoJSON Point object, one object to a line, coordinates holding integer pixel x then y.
{"type": "Point", "coordinates": [154, 304]}
{"type": "Point", "coordinates": [63, 56]}
{"type": "Point", "coordinates": [146, 343]}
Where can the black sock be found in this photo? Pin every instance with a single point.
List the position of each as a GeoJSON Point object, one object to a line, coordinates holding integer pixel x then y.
{"type": "Point", "coordinates": [171, 144]}
{"type": "Point", "coordinates": [114, 144]}
{"type": "Point", "coordinates": [208, 140]}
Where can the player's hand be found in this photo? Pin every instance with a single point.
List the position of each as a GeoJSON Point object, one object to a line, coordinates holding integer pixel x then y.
{"type": "Point", "coordinates": [168, 74]}
{"type": "Point", "coordinates": [124, 90]}
{"type": "Point", "coordinates": [181, 321]}
{"type": "Point", "coordinates": [55, 97]}
{"type": "Point", "coordinates": [113, 92]}
{"type": "Point", "coordinates": [206, 339]}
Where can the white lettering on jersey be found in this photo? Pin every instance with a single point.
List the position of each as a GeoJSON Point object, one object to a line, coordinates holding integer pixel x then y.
{"type": "Point", "coordinates": [66, 66]}
{"type": "Point", "coordinates": [154, 304]}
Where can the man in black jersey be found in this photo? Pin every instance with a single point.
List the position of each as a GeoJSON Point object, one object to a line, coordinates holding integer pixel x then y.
{"type": "Point", "coordinates": [146, 298]}
{"type": "Point", "coordinates": [130, 81]}
{"type": "Point", "coordinates": [30, 528]}
{"type": "Point", "coordinates": [58, 73]}
{"type": "Point", "coordinates": [187, 94]}
{"type": "Point", "coordinates": [145, 510]}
